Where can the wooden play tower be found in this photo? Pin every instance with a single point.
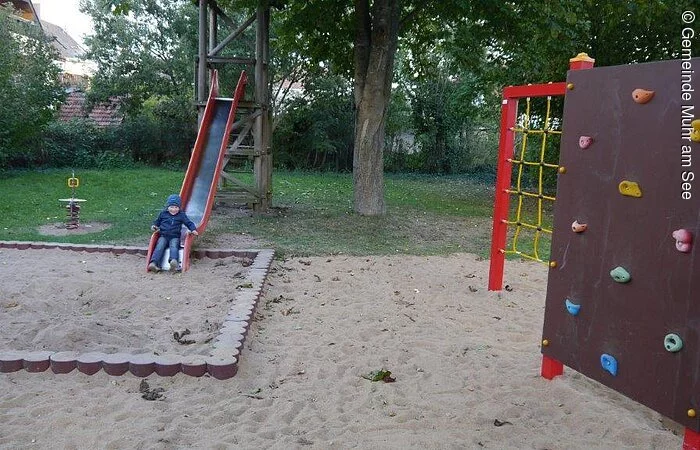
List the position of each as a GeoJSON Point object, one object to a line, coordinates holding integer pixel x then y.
{"type": "Point", "coordinates": [251, 134]}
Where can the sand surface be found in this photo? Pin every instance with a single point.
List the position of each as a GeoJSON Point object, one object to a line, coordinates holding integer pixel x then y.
{"type": "Point", "coordinates": [465, 361]}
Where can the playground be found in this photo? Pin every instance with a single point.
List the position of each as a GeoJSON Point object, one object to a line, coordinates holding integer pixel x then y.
{"type": "Point", "coordinates": [227, 341]}
{"type": "Point", "coordinates": [465, 361]}
{"type": "Point", "coordinates": [385, 351]}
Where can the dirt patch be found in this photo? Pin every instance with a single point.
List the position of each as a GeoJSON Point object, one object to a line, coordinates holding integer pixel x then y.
{"type": "Point", "coordinates": [59, 229]}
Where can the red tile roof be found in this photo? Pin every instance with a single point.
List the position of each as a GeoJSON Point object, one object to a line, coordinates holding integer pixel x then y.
{"type": "Point", "coordinates": [102, 114]}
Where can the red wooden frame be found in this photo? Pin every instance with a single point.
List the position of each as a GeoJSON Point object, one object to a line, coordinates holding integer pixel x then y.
{"type": "Point", "coordinates": [509, 110]}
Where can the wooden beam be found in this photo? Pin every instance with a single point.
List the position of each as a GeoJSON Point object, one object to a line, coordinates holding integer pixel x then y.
{"type": "Point", "coordinates": [232, 36]}
{"type": "Point", "coordinates": [227, 20]}
{"type": "Point", "coordinates": [230, 60]}
{"type": "Point", "coordinates": [202, 63]}
{"type": "Point", "coordinates": [239, 183]}
{"type": "Point", "coordinates": [262, 134]}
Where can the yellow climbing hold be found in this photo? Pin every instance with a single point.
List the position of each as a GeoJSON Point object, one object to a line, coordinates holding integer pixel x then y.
{"type": "Point", "coordinates": [630, 189]}
{"type": "Point", "coordinates": [691, 413]}
{"type": "Point", "coordinates": [545, 342]}
{"type": "Point", "coordinates": [695, 132]}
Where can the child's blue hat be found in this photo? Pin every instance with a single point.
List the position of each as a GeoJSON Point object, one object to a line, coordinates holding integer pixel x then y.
{"type": "Point", "coordinates": [174, 200]}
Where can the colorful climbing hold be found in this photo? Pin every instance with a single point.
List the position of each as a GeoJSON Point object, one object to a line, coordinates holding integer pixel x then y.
{"type": "Point", "coordinates": [577, 227]}
{"type": "Point", "coordinates": [573, 308]}
{"type": "Point", "coordinates": [673, 343]}
{"type": "Point", "coordinates": [642, 96]}
{"type": "Point", "coordinates": [695, 132]}
{"type": "Point", "coordinates": [630, 188]}
{"type": "Point", "coordinates": [584, 142]}
{"type": "Point", "coordinates": [620, 275]}
{"type": "Point", "coordinates": [609, 363]}
{"type": "Point", "coordinates": [684, 240]}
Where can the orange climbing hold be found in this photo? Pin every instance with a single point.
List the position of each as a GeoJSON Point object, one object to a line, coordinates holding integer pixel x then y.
{"type": "Point", "coordinates": [642, 96]}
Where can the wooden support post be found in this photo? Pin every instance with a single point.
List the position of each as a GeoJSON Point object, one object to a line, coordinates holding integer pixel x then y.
{"type": "Point", "coordinates": [262, 166]}
{"type": "Point", "coordinates": [202, 63]}
{"type": "Point", "coordinates": [213, 28]}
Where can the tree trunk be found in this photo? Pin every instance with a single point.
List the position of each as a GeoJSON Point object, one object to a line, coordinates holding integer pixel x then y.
{"type": "Point", "coordinates": [376, 37]}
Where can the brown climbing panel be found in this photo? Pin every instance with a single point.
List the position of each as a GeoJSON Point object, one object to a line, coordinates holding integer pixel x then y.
{"type": "Point", "coordinates": [626, 185]}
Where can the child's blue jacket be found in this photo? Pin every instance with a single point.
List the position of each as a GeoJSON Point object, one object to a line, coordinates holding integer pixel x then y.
{"type": "Point", "coordinates": [170, 225]}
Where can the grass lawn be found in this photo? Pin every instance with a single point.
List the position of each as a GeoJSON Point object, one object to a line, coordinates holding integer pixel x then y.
{"type": "Point", "coordinates": [312, 213]}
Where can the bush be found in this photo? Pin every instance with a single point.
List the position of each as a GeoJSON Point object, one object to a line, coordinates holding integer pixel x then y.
{"type": "Point", "coordinates": [317, 133]}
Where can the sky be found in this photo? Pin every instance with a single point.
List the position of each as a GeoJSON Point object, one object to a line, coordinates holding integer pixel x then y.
{"type": "Point", "coordinates": [65, 14]}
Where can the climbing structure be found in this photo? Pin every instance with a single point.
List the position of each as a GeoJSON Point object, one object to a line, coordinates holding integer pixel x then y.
{"type": "Point", "coordinates": [525, 149]}
{"type": "Point", "coordinates": [623, 295]}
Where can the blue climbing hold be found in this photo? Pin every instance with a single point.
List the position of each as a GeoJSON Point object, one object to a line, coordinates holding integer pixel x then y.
{"type": "Point", "coordinates": [573, 308]}
{"type": "Point", "coordinates": [609, 363]}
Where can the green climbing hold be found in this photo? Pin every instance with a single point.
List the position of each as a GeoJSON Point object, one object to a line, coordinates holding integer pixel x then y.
{"type": "Point", "coordinates": [620, 275]}
{"type": "Point", "coordinates": [673, 343]}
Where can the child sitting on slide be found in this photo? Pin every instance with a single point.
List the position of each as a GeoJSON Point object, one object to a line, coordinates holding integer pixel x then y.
{"type": "Point", "coordinates": [168, 223]}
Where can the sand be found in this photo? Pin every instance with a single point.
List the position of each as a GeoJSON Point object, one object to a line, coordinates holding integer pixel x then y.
{"type": "Point", "coordinates": [465, 361]}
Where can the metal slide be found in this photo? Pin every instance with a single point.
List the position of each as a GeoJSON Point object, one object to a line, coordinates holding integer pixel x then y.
{"type": "Point", "coordinates": [202, 176]}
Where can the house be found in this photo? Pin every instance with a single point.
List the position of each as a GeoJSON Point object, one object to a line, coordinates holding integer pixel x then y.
{"type": "Point", "coordinates": [103, 114]}
{"type": "Point", "coordinates": [24, 10]}
{"type": "Point", "coordinates": [75, 69]}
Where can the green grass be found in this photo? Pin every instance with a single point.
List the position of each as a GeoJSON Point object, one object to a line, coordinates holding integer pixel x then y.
{"type": "Point", "coordinates": [126, 199]}
{"type": "Point", "coordinates": [425, 215]}
{"type": "Point", "coordinates": [311, 214]}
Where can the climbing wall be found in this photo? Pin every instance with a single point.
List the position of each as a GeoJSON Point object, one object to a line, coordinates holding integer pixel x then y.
{"type": "Point", "coordinates": [623, 296]}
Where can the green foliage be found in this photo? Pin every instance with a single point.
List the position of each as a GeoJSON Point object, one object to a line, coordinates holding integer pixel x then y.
{"type": "Point", "coordinates": [316, 132]}
{"type": "Point", "coordinates": [162, 135]}
{"type": "Point", "coordinates": [29, 87]}
{"type": "Point", "coordinates": [75, 144]}
{"type": "Point", "coordinates": [145, 53]}
{"type": "Point", "coordinates": [532, 41]}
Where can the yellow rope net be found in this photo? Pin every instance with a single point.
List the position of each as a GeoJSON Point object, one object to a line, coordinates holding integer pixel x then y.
{"type": "Point", "coordinates": [526, 132]}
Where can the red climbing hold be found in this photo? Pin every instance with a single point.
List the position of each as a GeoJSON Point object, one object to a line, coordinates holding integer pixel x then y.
{"type": "Point", "coordinates": [684, 240]}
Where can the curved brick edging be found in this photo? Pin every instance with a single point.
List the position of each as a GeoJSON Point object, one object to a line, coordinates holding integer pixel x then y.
{"type": "Point", "coordinates": [222, 361]}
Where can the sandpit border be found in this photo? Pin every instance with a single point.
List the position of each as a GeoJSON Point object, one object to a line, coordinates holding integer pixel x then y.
{"type": "Point", "coordinates": [222, 362]}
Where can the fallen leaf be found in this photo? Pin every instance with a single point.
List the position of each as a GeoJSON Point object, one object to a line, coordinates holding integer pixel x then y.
{"type": "Point", "coordinates": [380, 375]}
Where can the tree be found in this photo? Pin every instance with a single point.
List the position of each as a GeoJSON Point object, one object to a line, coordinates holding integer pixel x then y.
{"type": "Point", "coordinates": [496, 41]}
{"type": "Point", "coordinates": [29, 85]}
{"type": "Point", "coordinates": [145, 54]}
{"type": "Point", "coordinates": [541, 37]}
